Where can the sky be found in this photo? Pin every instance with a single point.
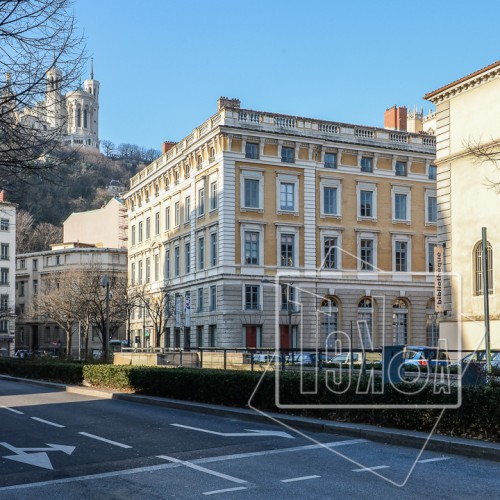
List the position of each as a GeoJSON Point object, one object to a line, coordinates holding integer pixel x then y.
{"type": "Point", "coordinates": [162, 64]}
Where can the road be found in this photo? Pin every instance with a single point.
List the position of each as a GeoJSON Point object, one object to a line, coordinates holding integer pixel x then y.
{"type": "Point", "coordinates": [58, 445]}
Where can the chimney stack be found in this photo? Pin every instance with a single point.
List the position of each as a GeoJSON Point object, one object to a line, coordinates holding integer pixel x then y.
{"type": "Point", "coordinates": [396, 118]}
{"type": "Point", "coordinates": [225, 102]}
{"type": "Point", "coordinates": [166, 146]}
{"type": "Point", "coordinates": [2, 195]}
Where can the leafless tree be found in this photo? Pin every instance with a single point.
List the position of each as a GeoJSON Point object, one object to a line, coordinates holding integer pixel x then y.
{"type": "Point", "coordinates": [108, 148]}
{"type": "Point", "coordinates": [484, 153]}
{"type": "Point", "coordinates": [24, 229]}
{"type": "Point", "coordinates": [34, 238]}
{"type": "Point", "coordinates": [35, 35]}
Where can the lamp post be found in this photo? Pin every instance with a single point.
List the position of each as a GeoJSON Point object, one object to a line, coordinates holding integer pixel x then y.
{"type": "Point", "coordinates": [105, 284]}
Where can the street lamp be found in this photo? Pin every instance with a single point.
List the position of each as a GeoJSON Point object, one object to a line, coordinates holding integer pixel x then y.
{"type": "Point", "coordinates": [105, 284]}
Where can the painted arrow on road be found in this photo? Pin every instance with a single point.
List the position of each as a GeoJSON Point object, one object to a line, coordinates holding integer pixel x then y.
{"type": "Point", "coordinates": [248, 433]}
{"type": "Point", "coordinates": [38, 456]}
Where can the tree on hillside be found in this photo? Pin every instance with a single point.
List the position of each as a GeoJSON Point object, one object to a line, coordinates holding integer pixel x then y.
{"type": "Point", "coordinates": [35, 35]}
{"type": "Point", "coordinates": [35, 238]}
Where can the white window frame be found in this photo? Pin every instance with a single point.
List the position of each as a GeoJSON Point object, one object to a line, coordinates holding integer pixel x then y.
{"type": "Point", "coordinates": [429, 193]}
{"type": "Point", "coordinates": [213, 203]}
{"type": "Point", "coordinates": [201, 200]}
{"type": "Point", "coordinates": [331, 183]}
{"type": "Point", "coordinates": [252, 228]}
{"type": "Point", "coordinates": [260, 296]}
{"type": "Point", "coordinates": [366, 186]}
{"type": "Point", "coordinates": [429, 241]}
{"type": "Point", "coordinates": [187, 208]}
{"type": "Point", "coordinates": [256, 175]}
{"type": "Point", "coordinates": [367, 235]}
{"type": "Point", "coordinates": [177, 213]}
{"type": "Point", "coordinates": [214, 257]}
{"type": "Point", "coordinates": [406, 191]}
{"type": "Point", "coordinates": [296, 246]}
{"type": "Point", "coordinates": [408, 240]}
{"type": "Point", "coordinates": [287, 179]}
{"type": "Point", "coordinates": [324, 235]}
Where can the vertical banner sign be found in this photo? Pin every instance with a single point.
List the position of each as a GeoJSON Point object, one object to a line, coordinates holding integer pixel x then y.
{"type": "Point", "coordinates": [438, 278]}
{"type": "Point", "coordinates": [187, 312]}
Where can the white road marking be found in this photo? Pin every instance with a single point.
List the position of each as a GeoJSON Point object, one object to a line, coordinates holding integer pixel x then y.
{"type": "Point", "coordinates": [99, 438]}
{"type": "Point", "coordinates": [12, 410]}
{"type": "Point", "coordinates": [369, 469]}
{"type": "Point", "coordinates": [203, 469]}
{"type": "Point", "coordinates": [303, 478]}
{"type": "Point", "coordinates": [437, 459]}
{"type": "Point", "coordinates": [215, 492]}
{"type": "Point", "coordinates": [249, 432]}
{"type": "Point", "coordinates": [47, 422]}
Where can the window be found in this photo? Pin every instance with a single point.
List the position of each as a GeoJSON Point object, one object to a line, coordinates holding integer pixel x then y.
{"type": "Point", "coordinates": [21, 289]}
{"type": "Point", "coordinates": [4, 326]}
{"type": "Point", "coordinates": [148, 270]}
{"type": "Point", "coordinates": [287, 196]}
{"type": "Point", "coordinates": [187, 208]}
{"type": "Point", "coordinates": [157, 223]}
{"type": "Point", "coordinates": [177, 213]}
{"type": "Point", "coordinates": [132, 274]}
{"type": "Point", "coordinates": [252, 293]}
{"type": "Point", "coordinates": [35, 264]}
{"type": "Point", "coordinates": [22, 263]}
{"type": "Point", "coordinates": [330, 253]}
{"type": "Point", "coordinates": [199, 335]}
{"type": "Point", "coordinates": [213, 298]}
{"type": "Point", "coordinates": [213, 196]}
{"type": "Point", "coordinates": [400, 204]}
{"type": "Point", "coordinates": [251, 248]}
{"type": "Point", "coordinates": [400, 321]}
{"type": "Point", "coordinates": [132, 234]}
{"type": "Point", "coordinates": [330, 160]}
{"type": "Point", "coordinates": [366, 204]}
{"type": "Point", "coordinates": [329, 321]}
{"type": "Point", "coordinates": [213, 249]}
{"type": "Point", "coordinates": [430, 256]}
{"type": "Point", "coordinates": [479, 268]}
{"type": "Point", "coordinates": [401, 256]}
{"type": "Point", "coordinates": [251, 195]}
{"type": "Point", "coordinates": [431, 209]}
{"type": "Point", "coordinates": [401, 168]}
{"type": "Point", "coordinates": [287, 154]}
{"type": "Point", "coordinates": [58, 260]}
{"type": "Point", "coordinates": [432, 172]}
{"type": "Point", "coordinates": [148, 228]}
{"type": "Point", "coordinates": [139, 277]}
{"type": "Point", "coordinates": [330, 200]}
{"type": "Point", "coordinates": [287, 250]}
{"type": "Point", "coordinates": [4, 303]}
{"type": "Point", "coordinates": [157, 267]}
{"type": "Point", "coordinates": [139, 232]}
{"type": "Point", "coordinates": [177, 263]}
{"type": "Point", "coordinates": [4, 224]}
{"type": "Point", "coordinates": [200, 300]}
{"type": "Point", "coordinates": [366, 164]}
{"type": "Point", "coordinates": [201, 201]}
{"type": "Point", "coordinates": [35, 287]}
{"type": "Point", "coordinates": [167, 264]}
{"type": "Point", "coordinates": [4, 255]}
{"type": "Point", "coordinates": [251, 150]}
{"type": "Point", "coordinates": [432, 326]}
{"type": "Point", "coordinates": [365, 322]}
{"type": "Point", "coordinates": [187, 257]}
{"type": "Point", "coordinates": [212, 335]}
{"type": "Point", "coordinates": [288, 298]}
{"type": "Point", "coordinates": [4, 276]}
{"type": "Point", "coordinates": [201, 252]}
{"type": "Point", "coordinates": [366, 254]}
{"type": "Point", "coordinates": [167, 218]}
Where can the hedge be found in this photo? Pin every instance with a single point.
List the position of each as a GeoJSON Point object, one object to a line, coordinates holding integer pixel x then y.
{"type": "Point", "coordinates": [478, 416]}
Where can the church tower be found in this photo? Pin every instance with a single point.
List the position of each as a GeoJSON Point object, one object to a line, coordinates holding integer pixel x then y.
{"type": "Point", "coordinates": [54, 101]}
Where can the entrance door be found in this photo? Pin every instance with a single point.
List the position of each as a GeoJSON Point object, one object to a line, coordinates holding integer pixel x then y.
{"type": "Point", "coordinates": [34, 338]}
{"type": "Point", "coordinates": [285, 337]}
{"type": "Point", "coordinates": [251, 337]}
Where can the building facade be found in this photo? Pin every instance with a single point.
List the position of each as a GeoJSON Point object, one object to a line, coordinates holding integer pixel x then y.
{"type": "Point", "coordinates": [467, 150]}
{"type": "Point", "coordinates": [34, 333]}
{"type": "Point", "coordinates": [7, 275]}
{"type": "Point", "coordinates": [270, 229]}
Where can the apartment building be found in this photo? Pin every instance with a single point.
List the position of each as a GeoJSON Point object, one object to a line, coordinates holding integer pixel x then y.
{"type": "Point", "coordinates": [269, 229]}
{"type": "Point", "coordinates": [467, 150]}
{"type": "Point", "coordinates": [7, 270]}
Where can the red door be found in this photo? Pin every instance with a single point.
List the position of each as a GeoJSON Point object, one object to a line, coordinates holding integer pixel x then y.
{"type": "Point", "coordinates": [284, 337]}
{"type": "Point", "coordinates": [251, 337]}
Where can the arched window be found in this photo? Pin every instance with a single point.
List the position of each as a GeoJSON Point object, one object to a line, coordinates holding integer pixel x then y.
{"type": "Point", "coordinates": [85, 118]}
{"type": "Point", "coordinates": [78, 117]}
{"type": "Point", "coordinates": [400, 321]}
{"type": "Point", "coordinates": [329, 321]}
{"type": "Point", "coordinates": [431, 324]}
{"type": "Point", "coordinates": [365, 322]}
{"type": "Point", "coordinates": [479, 268]}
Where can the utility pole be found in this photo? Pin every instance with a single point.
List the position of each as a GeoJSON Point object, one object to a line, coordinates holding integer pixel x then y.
{"type": "Point", "coordinates": [105, 284]}
{"type": "Point", "coordinates": [486, 297]}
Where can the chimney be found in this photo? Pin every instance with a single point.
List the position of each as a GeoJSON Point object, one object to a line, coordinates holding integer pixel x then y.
{"type": "Point", "coordinates": [395, 118]}
{"type": "Point", "coordinates": [2, 195]}
{"type": "Point", "coordinates": [167, 145]}
{"type": "Point", "coordinates": [225, 102]}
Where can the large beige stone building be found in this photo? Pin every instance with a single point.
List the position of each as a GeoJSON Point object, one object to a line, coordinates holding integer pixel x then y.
{"type": "Point", "coordinates": [268, 227]}
{"type": "Point", "coordinates": [468, 130]}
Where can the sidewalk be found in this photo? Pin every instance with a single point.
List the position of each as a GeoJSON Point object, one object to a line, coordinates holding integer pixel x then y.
{"type": "Point", "coordinates": [399, 437]}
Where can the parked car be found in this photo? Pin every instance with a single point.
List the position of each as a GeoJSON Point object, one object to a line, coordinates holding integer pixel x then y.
{"type": "Point", "coordinates": [425, 356]}
{"type": "Point", "coordinates": [22, 354]}
{"type": "Point", "coordinates": [480, 357]}
{"type": "Point", "coordinates": [357, 358]}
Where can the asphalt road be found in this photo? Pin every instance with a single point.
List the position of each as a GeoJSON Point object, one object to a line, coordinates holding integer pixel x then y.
{"type": "Point", "coordinates": [57, 445]}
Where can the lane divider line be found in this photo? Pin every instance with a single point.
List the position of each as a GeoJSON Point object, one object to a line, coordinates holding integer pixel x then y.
{"type": "Point", "coordinates": [104, 440]}
{"type": "Point", "coordinates": [12, 410]}
{"type": "Point", "coordinates": [215, 492]}
{"type": "Point", "coordinates": [437, 459]}
{"type": "Point", "coordinates": [203, 469]}
{"type": "Point", "coordinates": [48, 422]}
{"type": "Point", "coordinates": [303, 478]}
{"type": "Point", "coordinates": [369, 469]}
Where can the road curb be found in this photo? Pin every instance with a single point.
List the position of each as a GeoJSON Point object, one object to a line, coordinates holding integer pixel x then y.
{"type": "Point", "coordinates": [413, 439]}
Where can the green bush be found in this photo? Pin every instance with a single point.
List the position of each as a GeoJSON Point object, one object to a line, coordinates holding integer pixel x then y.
{"type": "Point", "coordinates": [57, 371]}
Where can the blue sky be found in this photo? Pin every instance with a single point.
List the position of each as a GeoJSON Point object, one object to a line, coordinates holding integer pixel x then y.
{"type": "Point", "coordinates": [162, 64]}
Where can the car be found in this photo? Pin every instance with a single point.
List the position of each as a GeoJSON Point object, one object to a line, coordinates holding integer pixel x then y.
{"type": "Point", "coordinates": [22, 354]}
{"type": "Point", "coordinates": [425, 356]}
{"type": "Point", "coordinates": [357, 358]}
{"type": "Point", "coordinates": [480, 357]}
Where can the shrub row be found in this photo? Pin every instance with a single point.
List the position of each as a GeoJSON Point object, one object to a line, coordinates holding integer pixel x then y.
{"type": "Point", "coordinates": [478, 415]}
